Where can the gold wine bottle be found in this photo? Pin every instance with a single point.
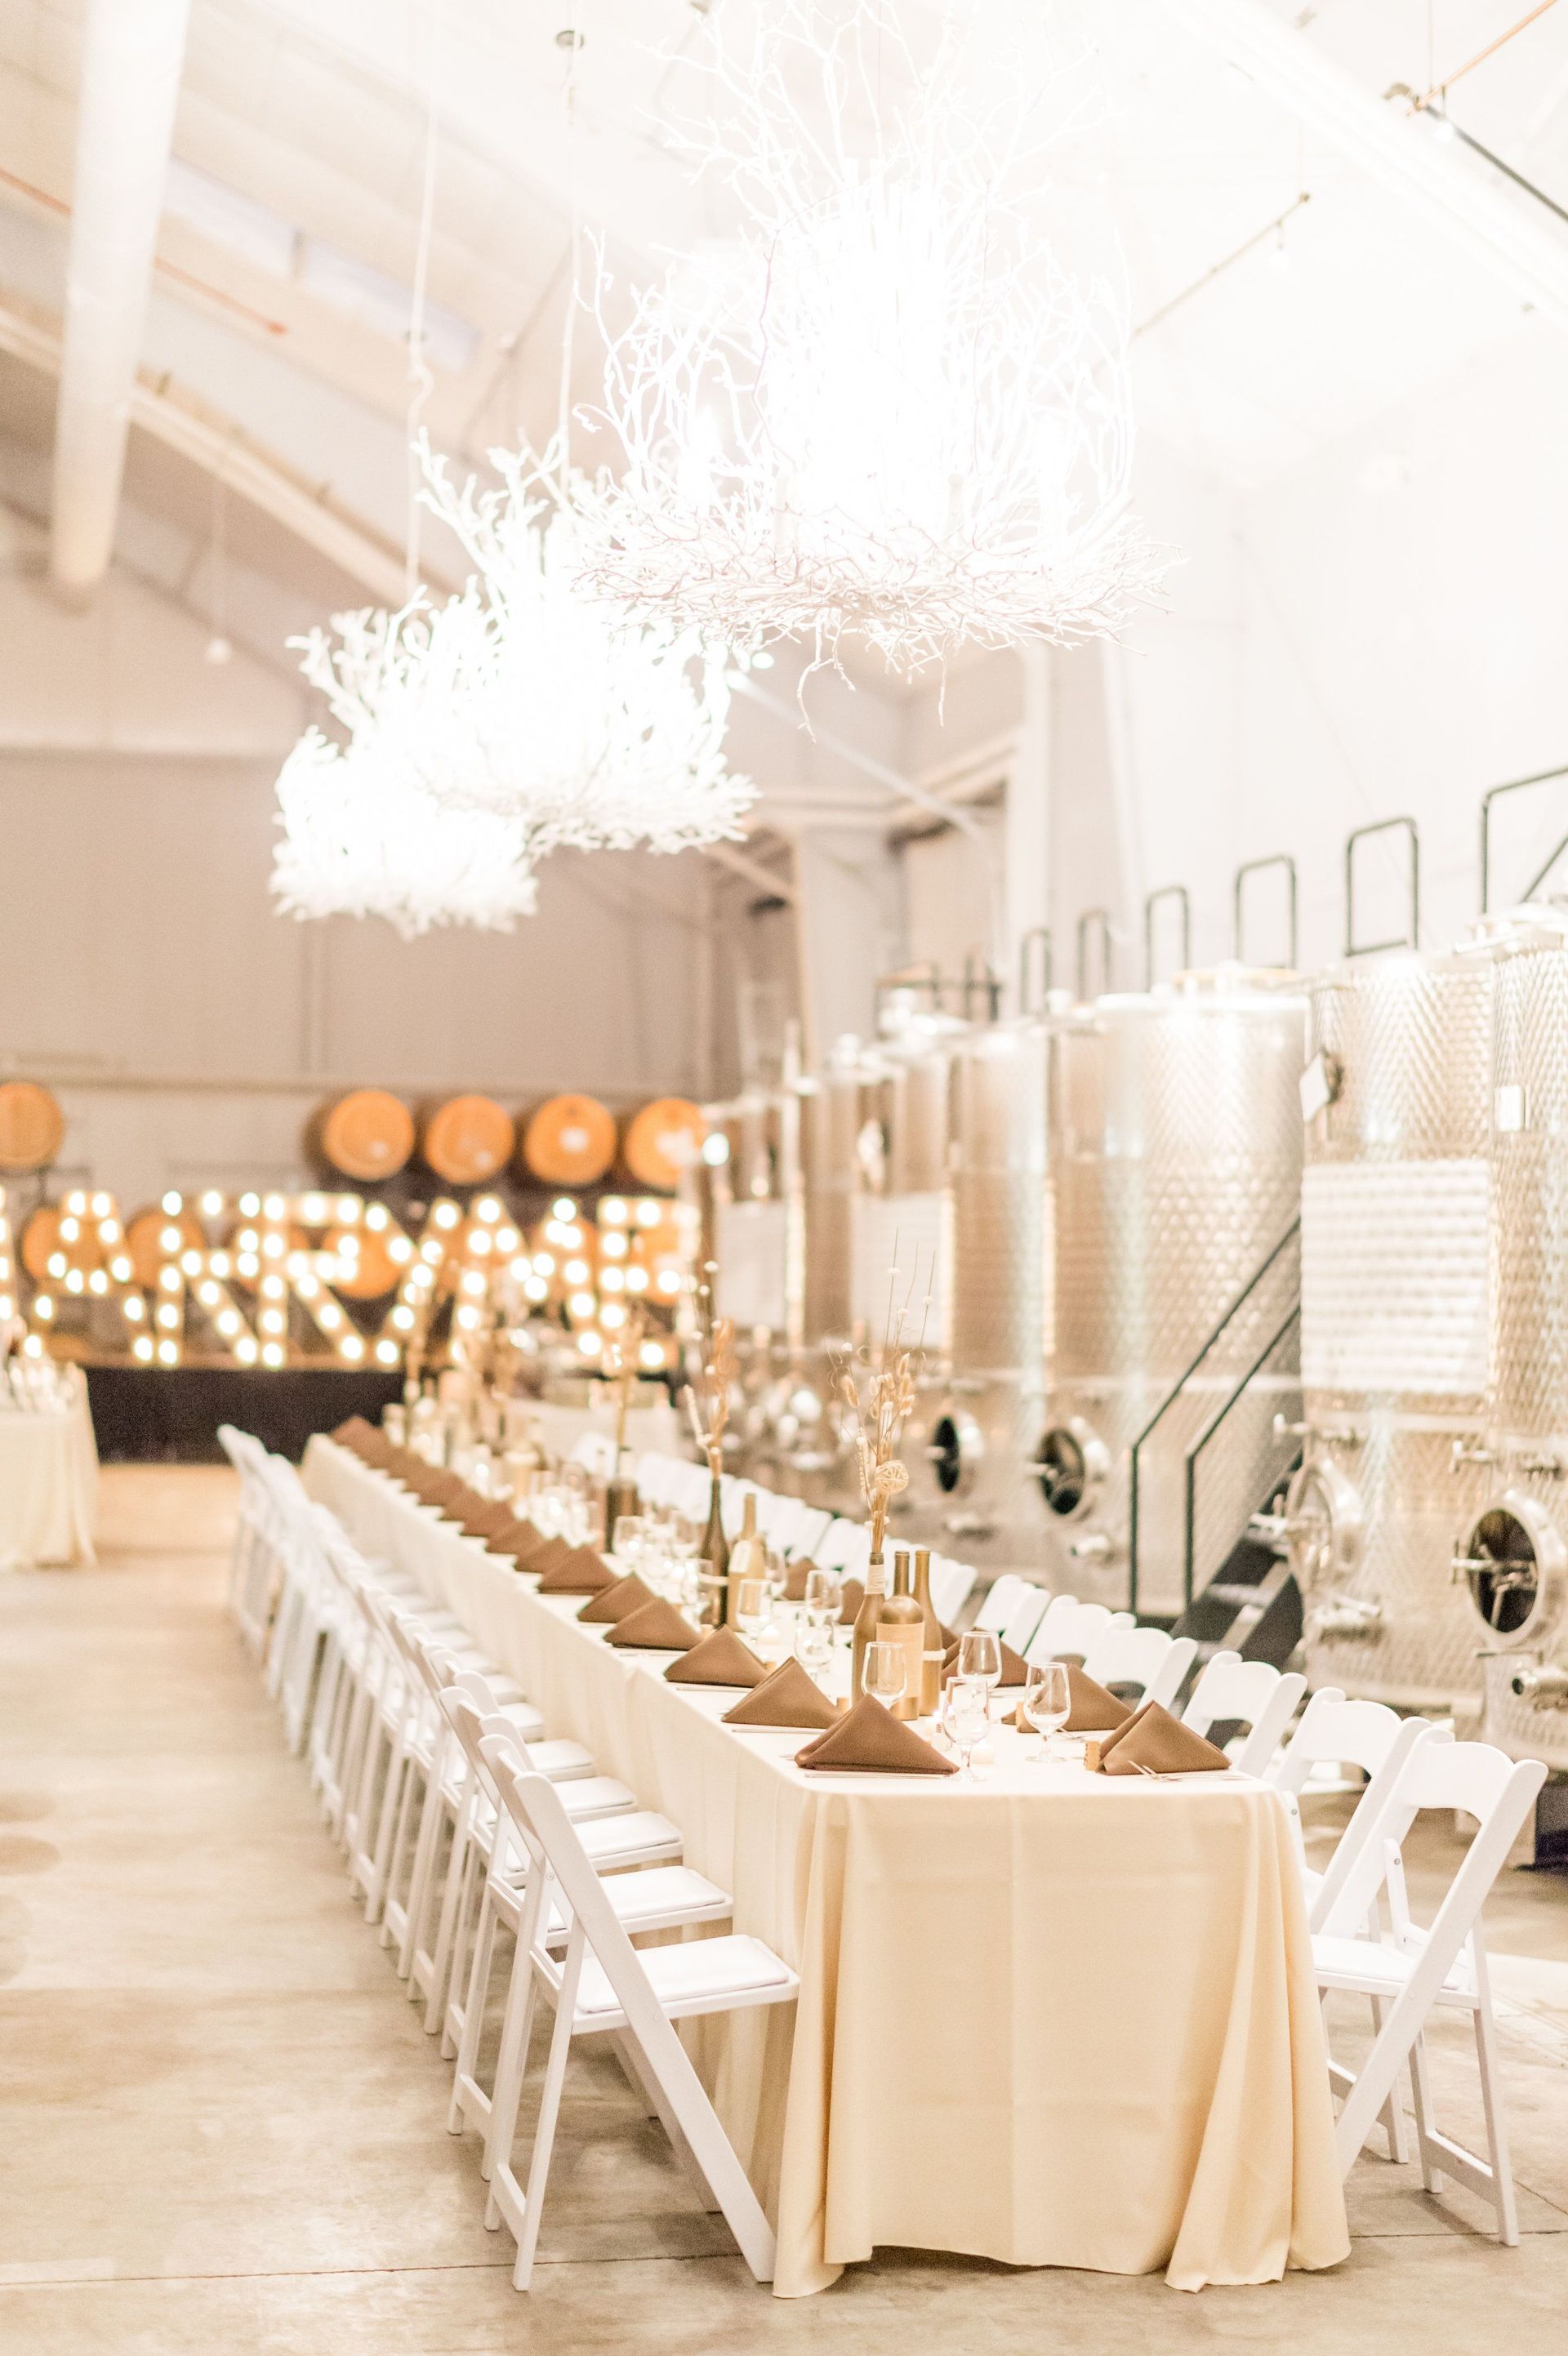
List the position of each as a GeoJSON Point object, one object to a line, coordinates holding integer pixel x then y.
{"type": "Point", "coordinates": [901, 1621]}
{"type": "Point", "coordinates": [747, 1594]}
{"type": "Point", "coordinates": [931, 1677]}
{"type": "Point", "coordinates": [865, 1624]}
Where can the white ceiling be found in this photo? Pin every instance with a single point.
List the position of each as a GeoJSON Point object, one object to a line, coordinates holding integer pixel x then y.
{"type": "Point", "coordinates": [315, 110]}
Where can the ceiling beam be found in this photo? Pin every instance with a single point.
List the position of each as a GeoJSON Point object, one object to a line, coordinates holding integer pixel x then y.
{"type": "Point", "coordinates": [1480, 215]}
{"type": "Point", "coordinates": [132, 58]}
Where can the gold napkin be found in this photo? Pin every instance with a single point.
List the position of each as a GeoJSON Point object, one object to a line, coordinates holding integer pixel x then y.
{"type": "Point", "coordinates": [616, 1603]}
{"type": "Point", "coordinates": [719, 1659]}
{"type": "Point", "coordinates": [1014, 1668]}
{"type": "Point", "coordinates": [795, 1574]}
{"type": "Point", "coordinates": [585, 1571]}
{"type": "Point", "coordinates": [513, 1538]}
{"type": "Point", "coordinates": [354, 1433]}
{"type": "Point", "coordinates": [870, 1739]}
{"type": "Point", "coordinates": [545, 1555]}
{"type": "Point", "coordinates": [1090, 1708]}
{"type": "Point", "coordinates": [1153, 1739]}
{"type": "Point", "coordinates": [854, 1594]}
{"type": "Point", "coordinates": [785, 1697]}
{"type": "Point", "coordinates": [485, 1517]}
{"type": "Point", "coordinates": [655, 1627]}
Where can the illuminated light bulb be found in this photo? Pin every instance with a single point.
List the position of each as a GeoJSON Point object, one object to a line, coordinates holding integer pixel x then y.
{"type": "Point", "coordinates": [668, 1280]}
{"type": "Point", "coordinates": [306, 1285]}
{"type": "Point", "coordinates": [98, 1282]}
{"type": "Point", "coordinates": [507, 1240]}
{"type": "Point", "coordinates": [211, 1203]}
{"type": "Point", "coordinates": [32, 1347]}
{"type": "Point", "coordinates": [249, 1205]}
{"type": "Point", "coordinates": [432, 1253]}
{"type": "Point", "coordinates": [590, 1345]}
{"type": "Point", "coordinates": [209, 1295]}
{"type": "Point", "coordinates": [562, 1207]}
{"type": "Point", "coordinates": [74, 1280]}
{"type": "Point", "coordinates": [575, 1271]}
{"type": "Point", "coordinates": [399, 1250]}
{"type": "Point", "coordinates": [248, 1264]}
{"type": "Point", "coordinates": [376, 1217]}
{"type": "Point", "coordinates": [296, 1267]}
{"type": "Point", "coordinates": [614, 1247]}
{"type": "Point", "coordinates": [474, 1283]}
{"type": "Point", "coordinates": [348, 1209]}
{"type": "Point", "coordinates": [228, 1322]}
{"type": "Point", "coordinates": [171, 1238]}
{"type": "Point", "coordinates": [649, 1214]}
{"type": "Point", "coordinates": [190, 1263]}
{"type": "Point", "coordinates": [271, 1320]}
{"type": "Point", "coordinates": [70, 1229]}
{"type": "Point", "coordinates": [612, 1212]}
{"type": "Point", "coordinates": [168, 1279]}
{"type": "Point", "coordinates": [330, 1315]}
{"type": "Point", "coordinates": [56, 1263]}
{"type": "Point", "coordinates": [218, 1263]}
{"type": "Point", "coordinates": [76, 1201]}
{"type": "Point", "coordinates": [168, 1353]}
{"type": "Point", "coordinates": [314, 1211]}
{"type": "Point", "coordinates": [652, 1354]}
{"type": "Point", "coordinates": [536, 1289]}
{"type": "Point", "coordinates": [272, 1287]}
{"type": "Point", "coordinates": [7, 1306]}
{"type": "Point", "coordinates": [468, 1318]}
{"type": "Point", "coordinates": [487, 1209]}
{"type": "Point", "coordinates": [274, 1208]}
{"type": "Point", "coordinates": [142, 1348]}
{"type": "Point", "coordinates": [173, 1204]}
{"type": "Point", "coordinates": [247, 1239]}
{"type": "Point", "coordinates": [352, 1347]}
{"type": "Point", "coordinates": [612, 1280]}
{"type": "Point", "coordinates": [715, 1150]}
{"type": "Point", "coordinates": [168, 1316]}
{"type": "Point", "coordinates": [544, 1263]}
{"type": "Point", "coordinates": [479, 1243]}
{"type": "Point", "coordinates": [136, 1308]}
{"type": "Point", "coordinates": [387, 1353]}
{"type": "Point", "coordinates": [403, 1319]}
{"type": "Point", "coordinates": [273, 1353]}
{"type": "Point", "coordinates": [581, 1304]}
{"type": "Point", "coordinates": [43, 1306]}
{"type": "Point", "coordinates": [612, 1314]}
{"type": "Point", "coordinates": [445, 1214]}
{"type": "Point", "coordinates": [519, 1269]}
{"type": "Point", "coordinates": [635, 1279]}
{"type": "Point", "coordinates": [273, 1247]}
{"type": "Point", "coordinates": [245, 1350]}
{"type": "Point", "coordinates": [101, 1205]}
{"type": "Point", "coordinates": [109, 1231]}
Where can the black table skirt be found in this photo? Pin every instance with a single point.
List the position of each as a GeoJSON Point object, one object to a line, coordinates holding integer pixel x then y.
{"type": "Point", "coordinates": [171, 1414]}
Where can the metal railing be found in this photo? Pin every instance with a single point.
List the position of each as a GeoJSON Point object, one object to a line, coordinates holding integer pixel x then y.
{"type": "Point", "coordinates": [1190, 1460]}
{"type": "Point", "coordinates": [1178, 1388]}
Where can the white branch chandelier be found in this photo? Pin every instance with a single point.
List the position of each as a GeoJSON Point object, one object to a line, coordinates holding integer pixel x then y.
{"type": "Point", "coordinates": [891, 412]}
{"type": "Point", "coordinates": [361, 835]}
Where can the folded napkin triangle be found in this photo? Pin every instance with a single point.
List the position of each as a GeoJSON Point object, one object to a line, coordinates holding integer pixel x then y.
{"type": "Point", "coordinates": [584, 1571]}
{"type": "Point", "coordinates": [853, 1595]}
{"type": "Point", "coordinates": [511, 1537]}
{"type": "Point", "coordinates": [1154, 1742]}
{"type": "Point", "coordinates": [1092, 1710]}
{"type": "Point", "coordinates": [655, 1627]}
{"type": "Point", "coordinates": [545, 1556]}
{"type": "Point", "coordinates": [785, 1697]}
{"type": "Point", "coordinates": [618, 1602]}
{"type": "Point", "coordinates": [719, 1659]}
{"type": "Point", "coordinates": [870, 1739]}
{"type": "Point", "coordinates": [354, 1433]}
{"type": "Point", "coordinates": [485, 1517]}
{"type": "Point", "coordinates": [795, 1577]}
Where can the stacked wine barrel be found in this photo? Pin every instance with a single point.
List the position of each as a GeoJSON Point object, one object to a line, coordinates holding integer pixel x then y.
{"type": "Point", "coordinates": [369, 1136]}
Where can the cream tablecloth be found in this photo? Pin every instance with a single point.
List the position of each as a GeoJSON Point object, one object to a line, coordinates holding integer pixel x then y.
{"type": "Point", "coordinates": [1051, 2019]}
{"type": "Point", "coordinates": [48, 1484]}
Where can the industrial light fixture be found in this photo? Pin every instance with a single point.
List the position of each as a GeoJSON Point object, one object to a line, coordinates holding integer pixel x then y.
{"type": "Point", "coordinates": [889, 410]}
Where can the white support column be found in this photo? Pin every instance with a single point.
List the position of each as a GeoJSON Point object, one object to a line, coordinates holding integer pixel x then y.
{"type": "Point", "coordinates": [132, 55]}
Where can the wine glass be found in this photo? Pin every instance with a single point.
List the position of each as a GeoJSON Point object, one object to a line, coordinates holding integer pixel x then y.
{"type": "Point", "coordinates": [1047, 1700]}
{"type": "Point", "coordinates": [966, 1716]}
{"type": "Point", "coordinates": [979, 1659]}
{"type": "Point", "coordinates": [824, 1599]}
{"type": "Point", "coordinates": [813, 1645]}
{"type": "Point", "coordinates": [883, 1673]}
{"type": "Point", "coordinates": [631, 1540]}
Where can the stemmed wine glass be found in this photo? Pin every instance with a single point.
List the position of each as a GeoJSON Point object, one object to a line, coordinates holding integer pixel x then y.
{"type": "Point", "coordinates": [965, 1716]}
{"type": "Point", "coordinates": [979, 1659]}
{"type": "Point", "coordinates": [882, 1674]}
{"type": "Point", "coordinates": [1047, 1700]}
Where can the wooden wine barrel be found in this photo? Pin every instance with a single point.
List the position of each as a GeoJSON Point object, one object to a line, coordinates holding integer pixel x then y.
{"type": "Point", "coordinates": [366, 1135]}
{"type": "Point", "coordinates": [467, 1141]}
{"type": "Point", "coordinates": [661, 1139]}
{"type": "Point", "coordinates": [369, 1274]}
{"type": "Point", "coordinates": [144, 1239]}
{"type": "Point", "coordinates": [570, 1142]}
{"type": "Point", "coordinates": [31, 1126]}
{"type": "Point", "coordinates": [40, 1237]}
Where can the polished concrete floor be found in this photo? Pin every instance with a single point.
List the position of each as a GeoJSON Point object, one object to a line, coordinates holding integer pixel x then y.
{"type": "Point", "coordinates": [221, 2129]}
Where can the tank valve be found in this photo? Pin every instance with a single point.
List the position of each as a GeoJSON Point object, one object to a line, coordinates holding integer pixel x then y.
{"type": "Point", "coordinates": [1544, 1687]}
{"type": "Point", "coordinates": [1347, 1615]}
{"type": "Point", "coordinates": [1547, 1463]}
{"type": "Point", "coordinates": [1459, 1454]}
{"type": "Point", "coordinates": [1287, 1430]}
{"type": "Point", "coordinates": [1094, 1547]}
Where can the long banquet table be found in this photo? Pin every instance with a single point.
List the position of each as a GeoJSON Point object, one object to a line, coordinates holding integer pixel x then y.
{"type": "Point", "coordinates": [49, 1482]}
{"type": "Point", "coordinates": [1047, 2019]}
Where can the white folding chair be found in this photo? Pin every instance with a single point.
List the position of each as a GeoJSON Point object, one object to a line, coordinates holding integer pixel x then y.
{"type": "Point", "coordinates": [1367, 1735]}
{"type": "Point", "coordinates": [1417, 1970]}
{"type": "Point", "coordinates": [1147, 1659]}
{"type": "Point", "coordinates": [250, 1567]}
{"type": "Point", "coordinates": [1070, 1630]}
{"type": "Point", "coordinates": [1000, 1602]}
{"type": "Point", "coordinates": [1028, 1610]}
{"type": "Point", "coordinates": [1254, 1694]}
{"type": "Point", "coordinates": [599, 1985]}
{"type": "Point", "coordinates": [614, 1843]}
{"type": "Point", "coordinates": [952, 1584]}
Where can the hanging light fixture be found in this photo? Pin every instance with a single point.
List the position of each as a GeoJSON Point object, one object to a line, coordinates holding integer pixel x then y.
{"type": "Point", "coordinates": [585, 731]}
{"type": "Point", "coordinates": [888, 409]}
{"type": "Point", "coordinates": [361, 835]}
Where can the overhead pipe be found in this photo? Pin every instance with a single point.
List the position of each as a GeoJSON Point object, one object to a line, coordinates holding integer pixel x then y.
{"type": "Point", "coordinates": [131, 61]}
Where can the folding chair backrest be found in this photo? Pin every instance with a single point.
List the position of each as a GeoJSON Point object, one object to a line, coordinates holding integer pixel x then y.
{"type": "Point", "coordinates": [952, 1584]}
{"type": "Point", "coordinates": [1473, 1779]}
{"type": "Point", "coordinates": [999, 1604]}
{"type": "Point", "coordinates": [1144, 1658]}
{"type": "Point", "coordinates": [835, 1546]}
{"type": "Point", "coordinates": [1028, 1610]}
{"type": "Point", "coordinates": [1253, 1693]}
{"type": "Point", "coordinates": [1070, 1629]}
